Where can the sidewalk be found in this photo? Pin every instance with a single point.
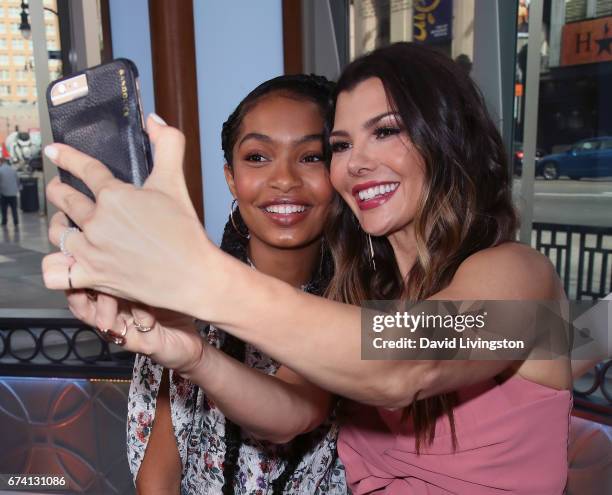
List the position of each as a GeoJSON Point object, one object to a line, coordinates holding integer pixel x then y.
{"type": "Point", "coordinates": [21, 253]}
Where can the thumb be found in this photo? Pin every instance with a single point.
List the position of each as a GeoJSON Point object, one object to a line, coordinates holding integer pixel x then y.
{"type": "Point", "coordinates": [169, 151]}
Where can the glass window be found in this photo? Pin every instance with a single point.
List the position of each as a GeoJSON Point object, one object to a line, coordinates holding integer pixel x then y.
{"type": "Point", "coordinates": [3, 44]}
{"type": "Point", "coordinates": [604, 7]}
{"type": "Point", "coordinates": [588, 145]}
{"type": "Point", "coordinates": [572, 191]}
{"type": "Point", "coordinates": [575, 10]}
{"type": "Point", "coordinates": [443, 24]}
{"type": "Point", "coordinates": [17, 44]}
{"type": "Point", "coordinates": [19, 111]}
{"type": "Point", "coordinates": [14, 12]}
{"type": "Point", "coordinates": [5, 75]}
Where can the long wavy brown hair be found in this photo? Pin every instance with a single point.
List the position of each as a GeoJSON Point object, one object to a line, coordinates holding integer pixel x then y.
{"type": "Point", "coordinates": [466, 205]}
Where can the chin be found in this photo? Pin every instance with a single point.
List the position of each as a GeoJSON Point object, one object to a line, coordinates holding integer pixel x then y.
{"type": "Point", "coordinates": [288, 242]}
{"type": "Point", "coordinates": [375, 227]}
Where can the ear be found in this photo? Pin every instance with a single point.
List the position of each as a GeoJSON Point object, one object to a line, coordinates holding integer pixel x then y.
{"type": "Point", "coordinates": [229, 178]}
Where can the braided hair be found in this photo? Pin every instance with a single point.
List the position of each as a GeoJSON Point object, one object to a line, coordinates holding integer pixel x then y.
{"type": "Point", "coordinates": [318, 90]}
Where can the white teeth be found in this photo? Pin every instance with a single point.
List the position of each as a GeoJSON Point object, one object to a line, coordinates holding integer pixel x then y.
{"type": "Point", "coordinates": [377, 191]}
{"type": "Point", "coordinates": [285, 209]}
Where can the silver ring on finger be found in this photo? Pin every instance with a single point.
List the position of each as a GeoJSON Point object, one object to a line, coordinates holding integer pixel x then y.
{"type": "Point", "coordinates": [140, 327]}
{"type": "Point", "coordinates": [62, 243]}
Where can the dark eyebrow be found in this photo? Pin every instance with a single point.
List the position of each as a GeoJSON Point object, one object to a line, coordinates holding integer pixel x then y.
{"type": "Point", "coordinates": [374, 120]}
{"type": "Point", "coordinates": [369, 123]}
{"type": "Point", "coordinates": [338, 133]}
{"type": "Point", "coordinates": [262, 137]}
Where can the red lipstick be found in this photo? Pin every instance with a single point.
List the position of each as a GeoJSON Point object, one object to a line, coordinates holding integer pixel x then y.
{"type": "Point", "coordinates": [375, 201]}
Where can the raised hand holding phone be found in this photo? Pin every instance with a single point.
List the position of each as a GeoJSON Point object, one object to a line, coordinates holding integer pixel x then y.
{"type": "Point", "coordinates": [129, 232]}
{"type": "Point", "coordinates": [97, 113]}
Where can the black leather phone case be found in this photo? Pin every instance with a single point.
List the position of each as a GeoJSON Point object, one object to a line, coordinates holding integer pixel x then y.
{"type": "Point", "coordinates": [106, 124]}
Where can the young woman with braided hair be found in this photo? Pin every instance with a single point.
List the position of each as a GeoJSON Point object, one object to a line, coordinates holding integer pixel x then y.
{"type": "Point", "coordinates": [275, 168]}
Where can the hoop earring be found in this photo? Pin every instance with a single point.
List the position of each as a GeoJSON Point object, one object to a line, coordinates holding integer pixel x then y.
{"type": "Point", "coordinates": [232, 209]}
{"type": "Point", "coordinates": [372, 260]}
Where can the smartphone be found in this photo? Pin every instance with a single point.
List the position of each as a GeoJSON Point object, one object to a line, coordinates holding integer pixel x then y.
{"type": "Point", "coordinates": [98, 111]}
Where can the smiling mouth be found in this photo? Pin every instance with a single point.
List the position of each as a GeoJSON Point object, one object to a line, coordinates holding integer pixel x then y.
{"type": "Point", "coordinates": [285, 209]}
{"type": "Point", "coordinates": [376, 195]}
{"type": "Point", "coordinates": [286, 214]}
{"type": "Point", "coordinates": [377, 191]}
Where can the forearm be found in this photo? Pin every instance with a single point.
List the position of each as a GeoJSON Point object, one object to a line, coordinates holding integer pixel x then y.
{"type": "Point", "coordinates": [317, 338]}
{"type": "Point", "coordinates": [321, 340]}
{"type": "Point", "coordinates": [266, 406]}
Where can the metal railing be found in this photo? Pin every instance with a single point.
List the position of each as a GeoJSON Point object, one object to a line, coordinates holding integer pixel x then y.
{"type": "Point", "coordinates": [593, 394]}
{"type": "Point", "coordinates": [582, 256]}
{"type": "Point", "coordinates": [58, 347]}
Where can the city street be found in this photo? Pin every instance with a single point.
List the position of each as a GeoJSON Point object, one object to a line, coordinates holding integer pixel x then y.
{"type": "Point", "coordinates": [575, 202]}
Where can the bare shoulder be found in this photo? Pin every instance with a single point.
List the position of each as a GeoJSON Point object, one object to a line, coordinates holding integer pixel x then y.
{"type": "Point", "coordinates": [508, 271]}
{"type": "Point", "coordinates": [513, 271]}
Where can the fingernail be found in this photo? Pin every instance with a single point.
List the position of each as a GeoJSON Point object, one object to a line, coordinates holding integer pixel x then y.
{"type": "Point", "coordinates": [51, 152]}
{"type": "Point", "coordinates": [158, 119]}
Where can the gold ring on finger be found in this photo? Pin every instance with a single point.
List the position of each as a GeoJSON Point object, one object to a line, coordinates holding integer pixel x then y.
{"type": "Point", "coordinates": [142, 328]}
{"type": "Point", "coordinates": [115, 338]}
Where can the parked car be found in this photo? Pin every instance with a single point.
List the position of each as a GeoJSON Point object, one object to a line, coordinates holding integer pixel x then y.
{"type": "Point", "coordinates": [587, 158]}
{"type": "Point", "coordinates": [518, 155]}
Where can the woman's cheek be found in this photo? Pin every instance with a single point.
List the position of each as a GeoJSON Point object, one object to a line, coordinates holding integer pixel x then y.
{"type": "Point", "coordinates": [335, 175]}
{"type": "Point", "coordinates": [324, 189]}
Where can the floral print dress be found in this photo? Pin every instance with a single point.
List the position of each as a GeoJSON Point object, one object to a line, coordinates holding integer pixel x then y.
{"type": "Point", "coordinates": [199, 428]}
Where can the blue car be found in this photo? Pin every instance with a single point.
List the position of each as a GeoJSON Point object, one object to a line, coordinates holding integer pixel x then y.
{"type": "Point", "coordinates": [587, 158]}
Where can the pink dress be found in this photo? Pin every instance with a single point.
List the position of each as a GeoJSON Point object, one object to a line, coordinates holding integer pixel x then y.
{"type": "Point", "coordinates": [512, 438]}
